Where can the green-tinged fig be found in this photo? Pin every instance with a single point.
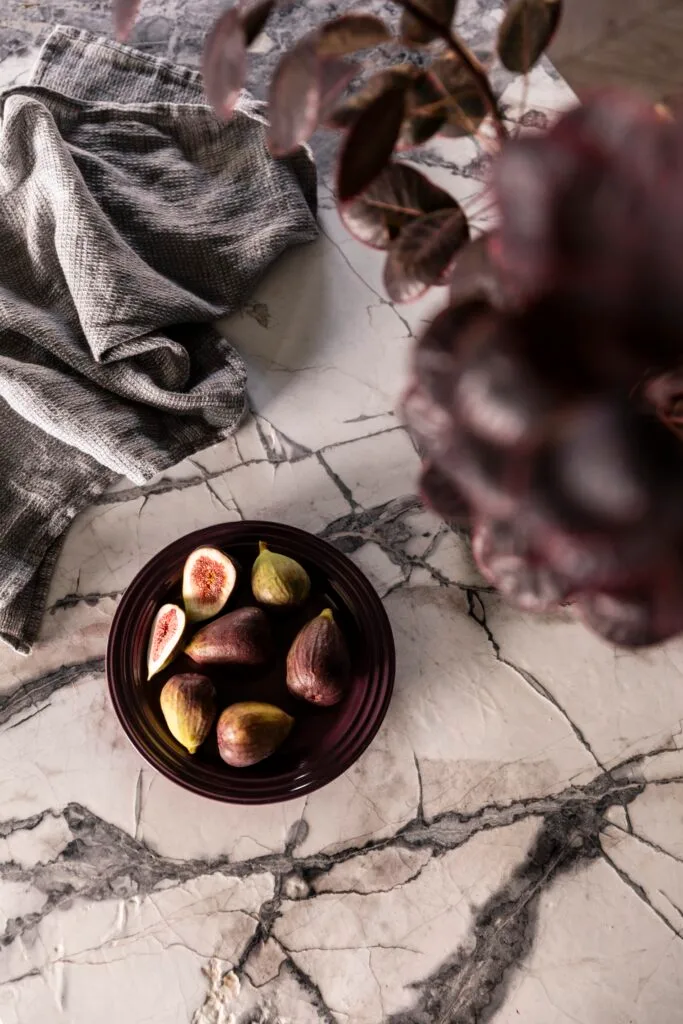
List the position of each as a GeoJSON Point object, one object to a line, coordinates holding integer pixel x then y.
{"type": "Point", "coordinates": [241, 637]}
{"type": "Point", "coordinates": [188, 703]}
{"type": "Point", "coordinates": [209, 578]}
{"type": "Point", "coordinates": [278, 579]}
{"type": "Point", "coordinates": [165, 639]}
{"type": "Point", "coordinates": [250, 731]}
{"type": "Point", "coordinates": [318, 664]}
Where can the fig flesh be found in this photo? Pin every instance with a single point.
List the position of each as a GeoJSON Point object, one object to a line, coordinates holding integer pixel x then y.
{"type": "Point", "coordinates": [165, 639]}
{"type": "Point", "coordinates": [241, 637]}
{"type": "Point", "coordinates": [188, 703]}
{"type": "Point", "coordinates": [318, 663]}
{"type": "Point", "coordinates": [209, 578]}
{"type": "Point", "coordinates": [250, 731]}
{"type": "Point", "coordinates": [278, 580]}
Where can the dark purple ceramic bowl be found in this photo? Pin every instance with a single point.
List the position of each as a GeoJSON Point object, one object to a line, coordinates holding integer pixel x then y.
{"type": "Point", "coordinates": [324, 741]}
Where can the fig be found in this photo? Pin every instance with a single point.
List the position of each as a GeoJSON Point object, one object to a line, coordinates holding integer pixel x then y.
{"type": "Point", "coordinates": [251, 731]}
{"type": "Point", "coordinates": [188, 703]}
{"type": "Point", "coordinates": [278, 579]}
{"type": "Point", "coordinates": [209, 578]}
{"type": "Point", "coordinates": [318, 663]}
{"type": "Point", "coordinates": [241, 637]}
{"type": "Point", "coordinates": [165, 639]}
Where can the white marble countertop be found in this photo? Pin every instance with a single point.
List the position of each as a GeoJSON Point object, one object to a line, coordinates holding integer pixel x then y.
{"type": "Point", "coordinates": [510, 848]}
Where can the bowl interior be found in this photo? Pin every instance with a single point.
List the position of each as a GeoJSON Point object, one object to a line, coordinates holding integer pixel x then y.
{"type": "Point", "coordinates": [323, 741]}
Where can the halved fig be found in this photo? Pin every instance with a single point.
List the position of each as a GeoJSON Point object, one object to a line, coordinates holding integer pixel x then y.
{"type": "Point", "coordinates": [165, 639]}
{"type": "Point", "coordinates": [209, 578]}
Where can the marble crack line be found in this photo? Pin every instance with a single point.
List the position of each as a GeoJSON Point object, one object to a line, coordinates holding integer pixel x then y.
{"type": "Point", "coordinates": [271, 457]}
{"type": "Point", "coordinates": [35, 693]}
{"type": "Point", "coordinates": [384, 526]}
{"type": "Point", "coordinates": [278, 437]}
{"type": "Point", "coordinates": [477, 612]}
{"type": "Point", "coordinates": [103, 861]}
{"type": "Point", "coordinates": [364, 417]}
{"type": "Point", "coordinates": [166, 485]}
{"type": "Point", "coordinates": [640, 893]}
{"type": "Point", "coordinates": [267, 915]}
{"type": "Point", "coordinates": [476, 168]}
{"type": "Point", "coordinates": [371, 892]}
{"type": "Point", "coordinates": [372, 970]}
{"type": "Point", "coordinates": [93, 598]}
{"type": "Point", "coordinates": [343, 488]}
{"type": "Point", "coordinates": [671, 902]}
{"type": "Point", "coordinates": [74, 960]}
{"type": "Point", "coordinates": [505, 923]}
{"type": "Point", "coordinates": [269, 911]}
{"type": "Point", "coordinates": [207, 477]}
{"type": "Point", "coordinates": [389, 947]}
{"type": "Point", "coordinates": [216, 496]}
{"type": "Point", "coordinates": [26, 824]}
{"type": "Point", "coordinates": [382, 300]}
{"type": "Point", "coordinates": [647, 842]}
{"type": "Point", "coordinates": [26, 718]}
{"type": "Point", "coordinates": [471, 984]}
{"type": "Point", "coordinates": [325, 1014]}
{"type": "Point", "coordinates": [356, 273]}
{"type": "Point", "coordinates": [420, 811]}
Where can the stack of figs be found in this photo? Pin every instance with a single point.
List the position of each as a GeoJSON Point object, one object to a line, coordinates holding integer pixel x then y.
{"type": "Point", "coordinates": [318, 667]}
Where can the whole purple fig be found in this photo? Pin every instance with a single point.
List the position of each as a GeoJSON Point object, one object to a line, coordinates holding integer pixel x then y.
{"type": "Point", "coordinates": [318, 663]}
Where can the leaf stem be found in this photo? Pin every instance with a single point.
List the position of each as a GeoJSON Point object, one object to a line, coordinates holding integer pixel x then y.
{"type": "Point", "coordinates": [479, 77]}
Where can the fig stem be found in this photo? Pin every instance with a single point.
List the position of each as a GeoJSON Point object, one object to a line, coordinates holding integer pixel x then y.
{"type": "Point", "coordinates": [262, 546]}
{"type": "Point", "coordinates": [327, 614]}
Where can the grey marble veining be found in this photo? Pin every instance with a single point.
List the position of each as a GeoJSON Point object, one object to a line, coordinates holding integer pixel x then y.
{"type": "Point", "coordinates": [510, 847]}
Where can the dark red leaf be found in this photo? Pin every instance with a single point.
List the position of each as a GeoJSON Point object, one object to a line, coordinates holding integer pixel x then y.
{"type": "Point", "coordinates": [334, 75]}
{"type": "Point", "coordinates": [526, 31]}
{"type": "Point", "coordinates": [623, 619]}
{"type": "Point", "coordinates": [610, 466]}
{"type": "Point", "coordinates": [351, 32]}
{"type": "Point", "coordinates": [426, 110]}
{"type": "Point", "coordinates": [483, 472]}
{"type": "Point", "coordinates": [449, 71]}
{"type": "Point", "coordinates": [421, 254]}
{"type": "Point", "coordinates": [438, 355]}
{"type": "Point", "coordinates": [473, 276]}
{"type": "Point", "coordinates": [254, 18]}
{"type": "Point", "coordinates": [497, 395]}
{"type": "Point", "coordinates": [504, 552]}
{"type": "Point", "coordinates": [443, 496]}
{"type": "Point", "coordinates": [420, 128]}
{"type": "Point", "coordinates": [370, 143]}
{"type": "Point", "coordinates": [294, 103]}
{"type": "Point", "coordinates": [415, 32]}
{"type": "Point", "coordinates": [224, 63]}
{"type": "Point", "coordinates": [427, 106]}
{"type": "Point", "coordinates": [395, 198]}
{"type": "Point", "coordinates": [430, 425]}
{"type": "Point", "coordinates": [346, 113]}
{"type": "Point", "coordinates": [644, 613]}
{"type": "Point", "coordinates": [125, 13]}
{"type": "Point", "coordinates": [466, 108]}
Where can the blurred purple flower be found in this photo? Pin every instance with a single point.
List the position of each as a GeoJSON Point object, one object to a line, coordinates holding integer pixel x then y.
{"type": "Point", "coordinates": [543, 395]}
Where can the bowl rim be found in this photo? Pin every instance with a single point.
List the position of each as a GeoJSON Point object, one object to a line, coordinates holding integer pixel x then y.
{"type": "Point", "coordinates": [381, 668]}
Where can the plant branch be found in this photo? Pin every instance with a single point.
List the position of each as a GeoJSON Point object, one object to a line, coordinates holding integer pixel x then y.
{"type": "Point", "coordinates": [479, 77]}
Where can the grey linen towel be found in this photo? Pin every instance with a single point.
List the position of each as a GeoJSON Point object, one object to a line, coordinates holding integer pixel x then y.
{"type": "Point", "coordinates": [131, 220]}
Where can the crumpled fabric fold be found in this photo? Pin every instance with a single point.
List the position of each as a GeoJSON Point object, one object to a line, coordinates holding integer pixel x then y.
{"type": "Point", "coordinates": [131, 220]}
